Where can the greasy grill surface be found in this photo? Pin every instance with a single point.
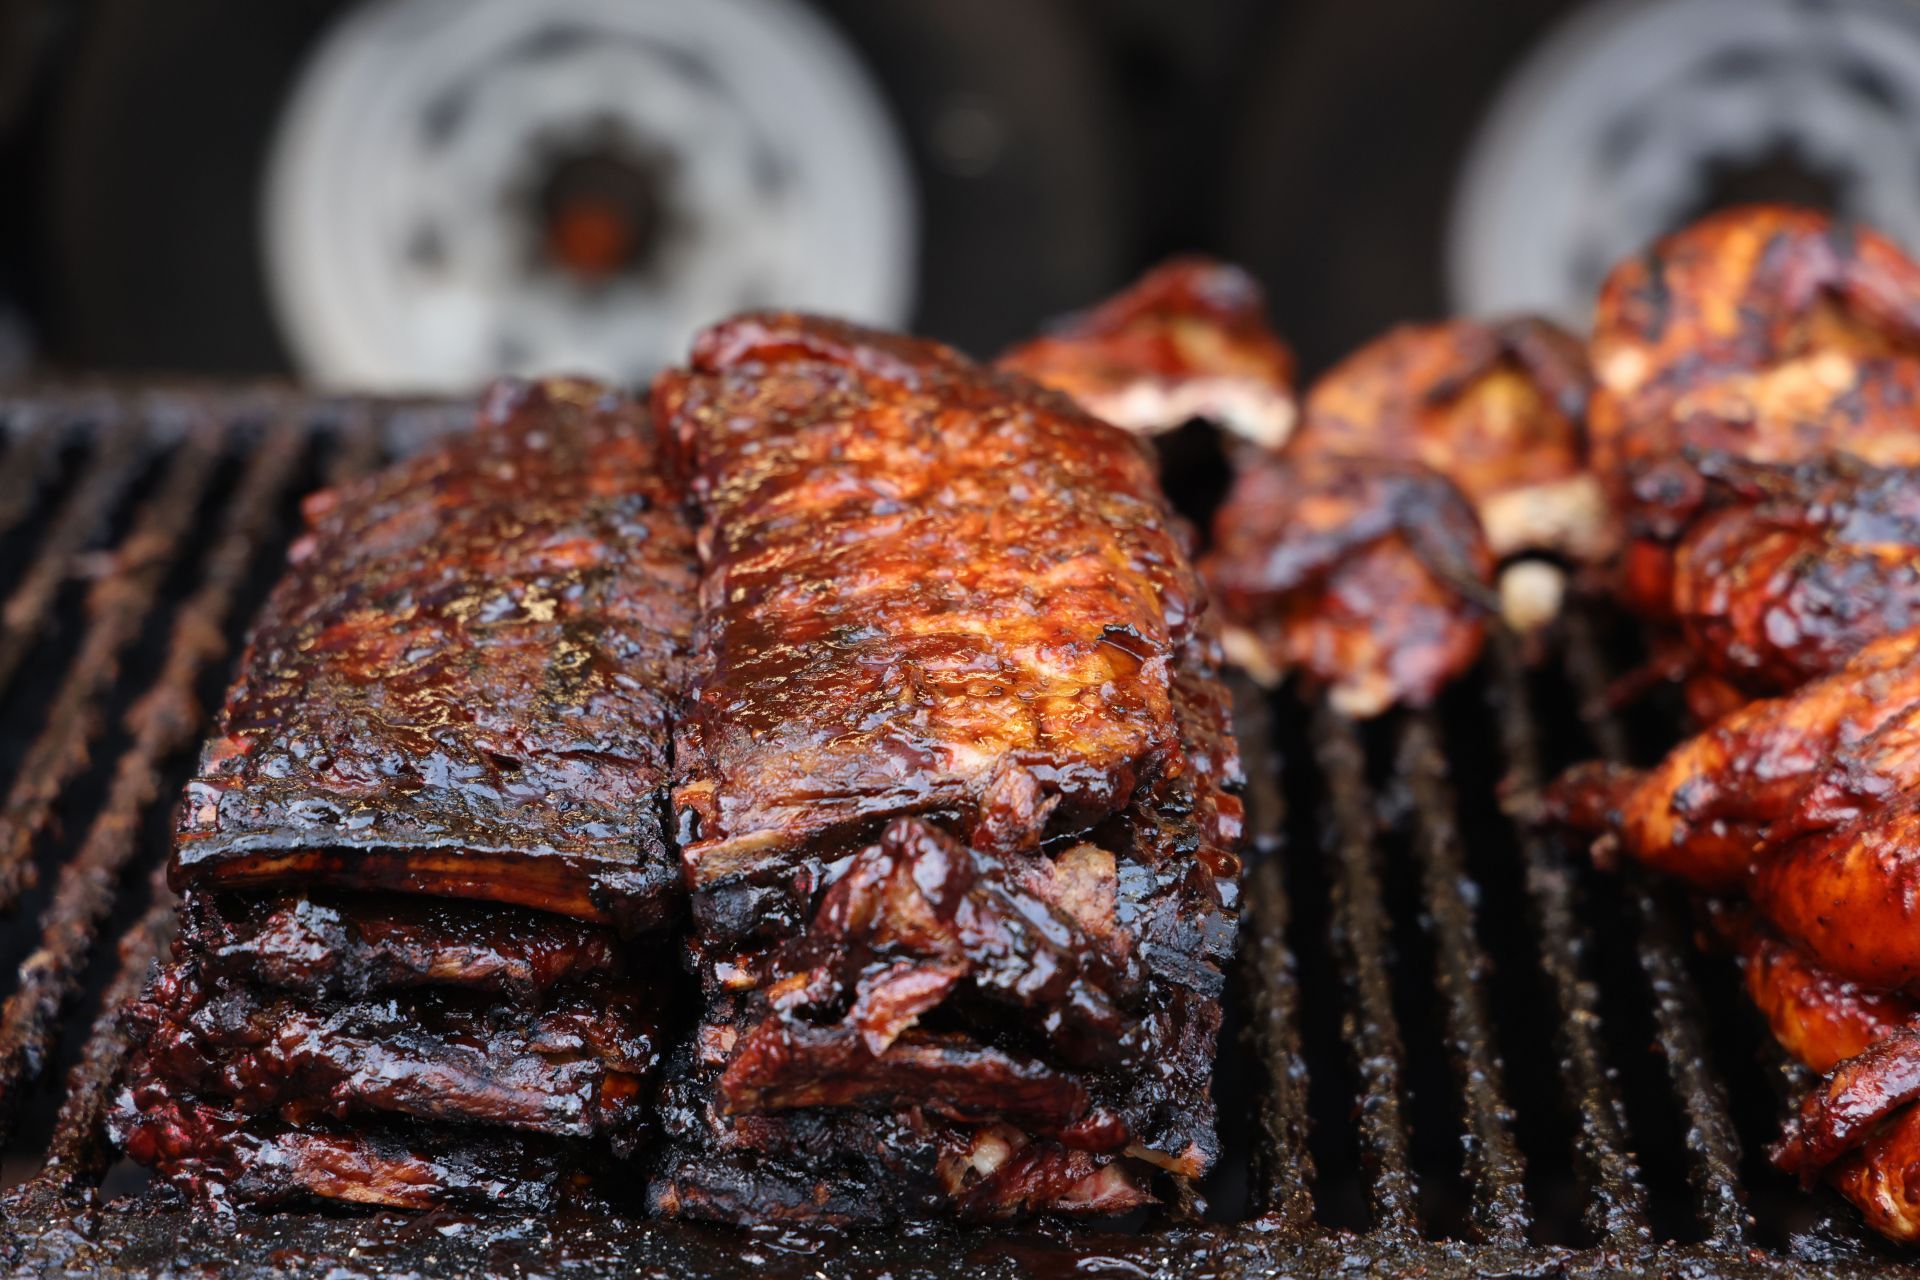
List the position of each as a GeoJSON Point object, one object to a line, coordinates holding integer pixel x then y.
{"type": "Point", "coordinates": [1456, 1050]}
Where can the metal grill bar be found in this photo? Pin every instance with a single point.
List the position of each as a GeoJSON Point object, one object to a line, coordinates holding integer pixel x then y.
{"type": "Point", "coordinates": [1617, 1207]}
{"type": "Point", "coordinates": [74, 526]}
{"type": "Point", "coordinates": [1358, 933]}
{"type": "Point", "coordinates": [77, 1155]}
{"type": "Point", "coordinates": [117, 607]}
{"type": "Point", "coordinates": [1283, 902]}
{"type": "Point", "coordinates": [163, 723]}
{"type": "Point", "coordinates": [1713, 1145]}
{"type": "Point", "coordinates": [1495, 1171]}
{"type": "Point", "coordinates": [1284, 1188]}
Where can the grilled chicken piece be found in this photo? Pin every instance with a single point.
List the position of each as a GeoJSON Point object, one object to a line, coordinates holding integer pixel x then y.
{"type": "Point", "coordinates": [1795, 570]}
{"type": "Point", "coordinates": [220, 1157]}
{"type": "Point", "coordinates": [1881, 1177]}
{"type": "Point", "coordinates": [1775, 770]}
{"type": "Point", "coordinates": [1852, 1103]}
{"type": "Point", "coordinates": [1497, 407]}
{"type": "Point", "coordinates": [1188, 340]}
{"type": "Point", "coordinates": [461, 686]}
{"type": "Point", "coordinates": [1832, 1025]}
{"type": "Point", "coordinates": [1770, 333]}
{"type": "Point", "coordinates": [579, 1069]}
{"type": "Point", "coordinates": [347, 946]}
{"type": "Point", "coordinates": [917, 576]}
{"type": "Point", "coordinates": [1781, 303]}
{"type": "Point", "coordinates": [1371, 576]}
{"type": "Point", "coordinates": [1819, 1017]}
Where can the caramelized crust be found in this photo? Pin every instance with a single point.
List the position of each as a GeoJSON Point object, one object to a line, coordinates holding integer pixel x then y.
{"type": "Point", "coordinates": [1190, 339]}
{"type": "Point", "coordinates": [1497, 407]}
{"type": "Point", "coordinates": [1882, 1177]}
{"type": "Point", "coordinates": [1756, 308]}
{"type": "Point", "coordinates": [1833, 1025]}
{"type": "Point", "coordinates": [1371, 576]}
{"type": "Point", "coordinates": [1770, 333]}
{"type": "Point", "coordinates": [917, 576]}
{"type": "Point", "coordinates": [461, 686]}
{"type": "Point", "coordinates": [1818, 1017]}
{"type": "Point", "coordinates": [1775, 768]}
{"type": "Point", "coordinates": [1850, 895]}
{"type": "Point", "coordinates": [1798, 568]}
{"type": "Point", "coordinates": [827, 1165]}
{"type": "Point", "coordinates": [1069, 994]}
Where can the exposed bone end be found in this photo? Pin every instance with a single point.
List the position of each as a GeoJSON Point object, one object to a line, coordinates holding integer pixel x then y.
{"type": "Point", "coordinates": [1244, 650]}
{"type": "Point", "coordinates": [1362, 696]}
{"type": "Point", "coordinates": [1571, 517]}
{"type": "Point", "coordinates": [1190, 1162]}
{"type": "Point", "coordinates": [1531, 594]}
{"type": "Point", "coordinates": [1253, 409]}
{"type": "Point", "coordinates": [1623, 370]}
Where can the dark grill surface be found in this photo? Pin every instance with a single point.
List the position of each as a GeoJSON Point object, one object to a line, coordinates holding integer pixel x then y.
{"type": "Point", "coordinates": [1455, 1049]}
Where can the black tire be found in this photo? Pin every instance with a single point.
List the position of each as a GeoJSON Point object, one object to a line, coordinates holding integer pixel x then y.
{"type": "Point", "coordinates": [151, 219]}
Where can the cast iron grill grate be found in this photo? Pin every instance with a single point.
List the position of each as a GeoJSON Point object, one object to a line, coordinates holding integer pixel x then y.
{"type": "Point", "coordinates": [1455, 1049]}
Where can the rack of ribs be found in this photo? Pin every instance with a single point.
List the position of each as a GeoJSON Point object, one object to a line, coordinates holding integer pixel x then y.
{"type": "Point", "coordinates": [954, 788]}
{"type": "Point", "coordinates": [425, 849]}
{"type": "Point", "coordinates": [463, 685]}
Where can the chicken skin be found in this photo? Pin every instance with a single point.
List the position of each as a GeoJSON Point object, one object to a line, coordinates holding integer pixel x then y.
{"type": "Point", "coordinates": [1771, 333]}
{"type": "Point", "coordinates": [1371, 576]}
{"type": "Point", "coordinates": [1792, 571]}
{"type": "Point", "coordinates": [1781, 303]}
{"type": "Point", "coordinates": [1831, 1025]}
{"type": "Point", "coordinates": [1729, 800]}
{"type": "Point", "coordinates": [1497, 407]}
{"type": "Point", "coordinates": [1345, 557]}
{"type": "Point", "coordinates": [1806, 804]}
{"type": "Point", "coordinates": [1187, 340]}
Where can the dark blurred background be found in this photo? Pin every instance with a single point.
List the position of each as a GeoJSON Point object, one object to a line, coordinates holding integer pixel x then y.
{"type": "Point", "coordinates": [413, 194]}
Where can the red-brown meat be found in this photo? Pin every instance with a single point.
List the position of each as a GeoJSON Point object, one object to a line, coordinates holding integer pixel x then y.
{"type": "Point", "coordinates": [917, 576]}
{"type": "Point", "coordinates": [462, 685]}
{"type": "Point", "coordinates": [1372, 577]}
{"type": "Point", "coordinates": [1188, 340]}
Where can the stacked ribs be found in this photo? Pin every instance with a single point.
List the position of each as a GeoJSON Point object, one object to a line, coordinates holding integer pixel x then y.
{"type": "Point", "coordinates": [424, 855]}
{"type": "Point", "coordinates": [953, 791]}
{"type": "Point", "coordinates": [893, 669]}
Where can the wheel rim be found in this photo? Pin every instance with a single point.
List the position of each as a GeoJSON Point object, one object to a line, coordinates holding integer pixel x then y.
{"type": "Point", "coordinates": [1635, 116]}
{"type": "Point", "coordinates": [459, 188]}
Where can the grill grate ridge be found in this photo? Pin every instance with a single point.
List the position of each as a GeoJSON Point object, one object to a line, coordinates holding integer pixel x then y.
{"type": "Point", "coordinates": [1495, 1171]}
{"type": "Point", "coordinates": [165, 721]}
{"type": "Point", "coordinates": [1398, 863]}
{"type": "Point", "coordinates": [1284, 1187]}
{"type": "Point", "coordinates": [1713, 1146]}
{"type": "Point", "coordinates": [1370, 1025]}
{"type": "Point", "coordinates": [1617, 1208]}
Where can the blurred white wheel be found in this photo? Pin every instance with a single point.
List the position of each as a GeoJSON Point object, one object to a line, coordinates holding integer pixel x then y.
{"type": "Point", "coordinates": [464, 187]}
{"type": "Point", "coordinates": [1636, 115]}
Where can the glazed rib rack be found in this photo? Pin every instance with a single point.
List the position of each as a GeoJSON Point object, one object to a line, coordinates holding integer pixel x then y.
{"type": "Point", "coordinates": [1454, 1049]}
